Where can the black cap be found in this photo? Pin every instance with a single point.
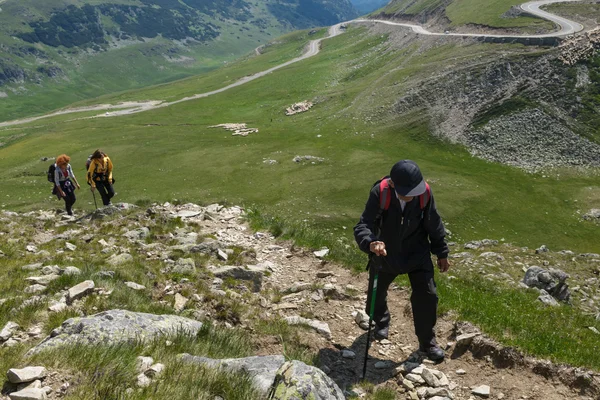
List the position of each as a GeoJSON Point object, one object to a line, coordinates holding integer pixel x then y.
{"type": "Point", "coordinates": [407, 178]}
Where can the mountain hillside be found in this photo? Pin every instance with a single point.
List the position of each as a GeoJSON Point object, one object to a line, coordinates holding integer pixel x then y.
{"type": "Point", "coordinates": [366, 6]}
{"type": "Point", "coordinates": [62, 51]}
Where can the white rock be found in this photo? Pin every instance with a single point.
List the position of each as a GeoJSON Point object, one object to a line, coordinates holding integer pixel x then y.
{"type": "Point", "coordinates": [155, 370]}
{"type": "Point", "coordinates": [80, 290]}
{"type": "Point", "coordinates": [143, 380]}
{"type": "Point", "coordinates": [27, 374]}
{"type": "Point", "coordinates": [222, 255]}
{"type": "Point", "coordinates": [57, 307]}
{"type": "Point", "coordinates": [9, 329]}
{"type": "Point", "coordinates": [430, 378]}
{"type": "Point", "coordinates": [415, 378]}
{"type": "Point", "coordinates": [29, 394]}
{"type": "Point", "coordinates": [37, 384]}
{"type": "Point", "coordinates": [143, 363]}
{"type": "Point", "coordinates": [321, 253]}
{"type": "Point", "coordinates": [180, 302]}
{"type": "Point", "coordinates": [460, 372]}
{"type": "Point", "coordinates": [482, 390]}
{"type": "Point", "coordinates": [135, 286]}
{"type": "Point", "coordinates": [70, 246]}
{"type": "Point", "coordinates": [119, 259]}
{"type": "Point", "coordinates": [103, 243]}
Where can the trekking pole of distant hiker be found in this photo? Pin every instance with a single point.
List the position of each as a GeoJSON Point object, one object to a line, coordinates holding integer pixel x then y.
{"type": "Point", "coordinates": [96, 204]}
{"type": "Point", "coordinates": [371, 313]}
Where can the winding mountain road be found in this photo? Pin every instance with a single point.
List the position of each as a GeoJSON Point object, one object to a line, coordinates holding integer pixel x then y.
{"type": "Point", "coordinates": [567, 27]}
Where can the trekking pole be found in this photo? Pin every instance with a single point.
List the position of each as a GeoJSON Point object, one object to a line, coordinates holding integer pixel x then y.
{"type": "Point", "coordinates": [96, 204]}
{"type": "Point", "coordinates": [371, 315]}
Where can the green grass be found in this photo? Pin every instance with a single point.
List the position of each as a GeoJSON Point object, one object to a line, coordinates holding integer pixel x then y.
{"type": "Point", "coordinates": [577, 11]}
{"type": "Point", "coordinates": [470, 12]}
{"type": "Point", "coordinates": [170, 153]}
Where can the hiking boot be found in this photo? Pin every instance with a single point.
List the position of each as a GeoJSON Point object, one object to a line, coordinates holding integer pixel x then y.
{"type": "Point", "coordinates": [434, 353]}
{"type": "Point", "coordinates": [381, 332]}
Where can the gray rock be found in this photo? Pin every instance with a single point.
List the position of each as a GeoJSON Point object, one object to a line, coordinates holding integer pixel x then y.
{"type": "Point", "coordinates": [482, 391]}
{"type": "Point", "coordinates": [119, 259]}
{"type": "Point", "coordinates": [545, 298]}
{"type": "Point", "coordinates": [9, 329]}
{"type": "Point", "coordinates": [552, 281]}
{"type": "Point", "coordinates": [32, 267]}
{"type": "Point", "coordinates": [42, 280]}
{"type": "Point", "coordinates": [430, 378]}
{"type": "Point", "coordinates": [105, 274]}
{"type": "Point", "coordinates": [80, 290]}
{"type": "Point", "coordinates": [250, 273]}
{"type": "Point", "coordinates": [28, 374]}
{"type": "Point", "coordinates": [262, 369]}
{"type": "Point", "coordinates": [222, 255]}
{"type": "Point", "coordinates": [542, 249]}
{"type": "Point", "coordinates": [116, 326]}
{"type": "Point", "coordinates": [103, 212]}
{"type": "Point", "coordinates": [321, 327]}
{"type": "Point", "coordinates": [69, 271]}
{"type": "Point", "coordinates": [348, 354]}
{"type": "Point", "coordinates": [298, 287]}
{"type": "Point", "coordinates": [466, 339]}
{"type": "Point", "coordinates": [51, 270]}
{"type": "Point", "coordinates": [438, 392]}
{"type": "Point", "coordinates": [143, 381]}
{"type": "Point", "coordinates": [135, 286]}
{"type": "Point", "coordinates": [29, 394]}
{"type": "Point", "coordinates": [37, 384]}
{"type": "Point", "coordinates": [70, 247]}
{"type": "Point", "coordinates": [35, 288]}
{"type": "Point", "coordinates": [209, 246]}
{"type": "Point", "coordinates": [296, 380]}
{"type": "Point", "coordinates": [185, 266]}
{"type": "Point", "coordinates": [415, 378]}
{"type": "Point", "coordinates": [137, 234]}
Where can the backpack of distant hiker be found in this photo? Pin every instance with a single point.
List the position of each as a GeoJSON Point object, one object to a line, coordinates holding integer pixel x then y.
{"type": "Point", "coordinates": [386, 193]}
{"type": "Point", "coordinates": [51, 170]}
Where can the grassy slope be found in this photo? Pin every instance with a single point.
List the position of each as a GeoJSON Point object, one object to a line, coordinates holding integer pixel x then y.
{"type": "Point", "coordinates": [171, 153]}
{"type": "Point", "coordinates": [133, 66]}
{"type": "Point", "coordinates": [464, 12]}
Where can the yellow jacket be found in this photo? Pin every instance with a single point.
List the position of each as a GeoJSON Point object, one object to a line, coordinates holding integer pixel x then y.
{"type": "Point", "coordinates": [100, 170]}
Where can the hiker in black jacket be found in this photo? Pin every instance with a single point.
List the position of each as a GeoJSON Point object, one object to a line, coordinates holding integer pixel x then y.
{"type": "Point", "coordinates": [399, 228]}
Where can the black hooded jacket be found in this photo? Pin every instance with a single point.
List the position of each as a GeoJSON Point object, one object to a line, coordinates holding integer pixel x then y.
{"type": "Point", "coordinates": [409, 236]}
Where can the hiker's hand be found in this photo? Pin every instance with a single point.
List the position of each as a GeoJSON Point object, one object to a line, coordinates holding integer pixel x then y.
{"type": "Point", "coordinates": [78, 187]}
{"type": "Point", "coordinates": [378, 248]}
{"type": "Point", "coordinates": [62, 194]}
{"type": "Point", "coordinates": [443, 264]}
{"type": "Point", "coordinates": [92, 189]}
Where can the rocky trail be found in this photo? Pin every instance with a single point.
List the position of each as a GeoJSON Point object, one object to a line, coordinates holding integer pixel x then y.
{"type": "Point", "coordinates": [273, 281]}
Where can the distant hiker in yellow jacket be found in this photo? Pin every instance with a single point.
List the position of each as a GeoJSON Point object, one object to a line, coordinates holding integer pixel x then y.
{"type": "Point", "coordinates": [99, 176]}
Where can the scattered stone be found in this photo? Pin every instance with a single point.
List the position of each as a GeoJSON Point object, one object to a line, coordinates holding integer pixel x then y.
{"type": "Point", "coordinates": [72, 271]}
{"type": "Point", "coordinates": [70, 246]}
{"type": "Point", "coordinates": [465, 339]}
{"type": "Point", "coordinates": [119, 259]}
{"type": "Point", "coordinates": [184, 266]}
{"type": "Point", "coordinates": [321, 253]}
{"type": "Point", "coordinates": [362, 319]}
{"type": "Point", "coordinates": [325, 274]}
{"type": "Point", "coordinates": [298, 287]}
{"type": "Point", "coordinates": [482, 391]}
{"type": "Point", "coordinates": [542, 249]}
{"type": "Point", "coordinates": [135, 286]}
{"type": "Point", "coordinates": [137, 234]}
{"type": "Point", "coordinates": [24, 375]}
{"type": "Point", "coordinates": [222, 255]}
{"type": "Point", "coordinates": [143, 381]}
{"type": "Point", "coordinates": [29, 394]}
{"type": "Point", "coordinates": [308, 159]}
{"type": "Point", "coordinates": [547, 299]}
{"type": "Point", "coordinates": [37, 384]}
{"type": "Point", "coordinates": [348, 354]}
{"type": "Point", "coordinates": [552, 281]}
{"type": "Point", "coordinates": [143, 363]}
{"type": "Point", "coordinates": [35, 289]}
{"type": "Point", "coordinates": [80, 290]}
{"type": "Point", "coordinates": [180, 302]}
{"type": "Point", "coordinates": [42, 280]}
{"type": "Point", "coordinates": [32, 267]}
{"type": "Point", "coordinates": [8, 331]}
{"type": "Point", "coordinates": [461, 372]}
{"type": "Point", "coordinates": [415, 378]}
{"type": "Point", "coordinates": [430, 378]}
{"type": "Point", "coordinates": [155, 370]}
{"type": "Point", "coordinates": [295, 377]}
{"type": "Point", "coordinates": [593, 329]}
{"type": "Point", "coordinates": [297, 108]}
{"type": "Point", "coordinates": [250, 273]}
{"type": "Point", "coordinates": [319, 326]}
{"type": "Point", "coordinates": [382, 365]}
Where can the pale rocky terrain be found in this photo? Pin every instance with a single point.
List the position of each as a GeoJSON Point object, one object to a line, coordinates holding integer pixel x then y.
{"type": "Point", "coordinates": [220, 260]}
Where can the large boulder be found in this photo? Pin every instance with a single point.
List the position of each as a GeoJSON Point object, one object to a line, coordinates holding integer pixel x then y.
{"type": "Point", "coordinates": [552, 281]}
{"type": "Point", "coordinates": [296, 380]}
{"type": "Point", "coordinates": [116, 326]}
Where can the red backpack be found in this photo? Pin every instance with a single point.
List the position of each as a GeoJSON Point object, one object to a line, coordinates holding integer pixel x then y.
{"type": "Point", "coordinates": [385, 195]}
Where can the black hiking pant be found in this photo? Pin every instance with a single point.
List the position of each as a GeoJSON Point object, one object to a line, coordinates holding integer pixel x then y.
{"type": "Point", "coordinates": [69, 201]}
{"type": "Point", "coordinates": [106, 191]}
{"type": "Point", "coordinates": [424, 301]}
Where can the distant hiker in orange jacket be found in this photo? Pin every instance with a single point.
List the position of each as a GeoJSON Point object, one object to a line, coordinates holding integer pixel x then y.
{"type": "Point", "coordinates": [99, 176]}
